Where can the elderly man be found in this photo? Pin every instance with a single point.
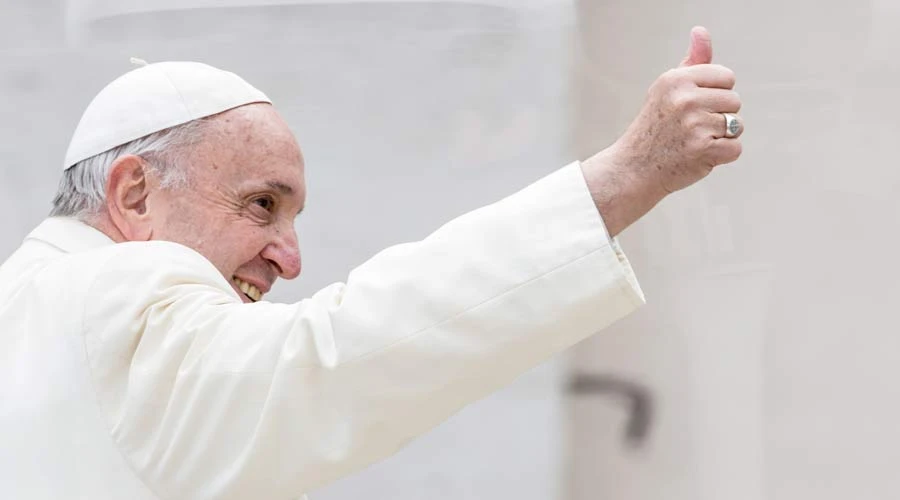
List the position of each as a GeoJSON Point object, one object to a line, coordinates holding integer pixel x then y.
{"type": "Point", "coordinates": [140, 360]}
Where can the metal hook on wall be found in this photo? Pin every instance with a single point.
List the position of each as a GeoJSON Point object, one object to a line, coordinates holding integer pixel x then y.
{"type": "Point", "coordinates": [637, 396]}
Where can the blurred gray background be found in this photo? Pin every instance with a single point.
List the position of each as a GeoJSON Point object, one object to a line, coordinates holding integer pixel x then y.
{"type": "Point", "coordinates": [769, 350]}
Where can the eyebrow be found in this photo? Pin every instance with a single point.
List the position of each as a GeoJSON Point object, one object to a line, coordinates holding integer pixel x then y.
{"type": "Point", "coordinates": [280, 187]}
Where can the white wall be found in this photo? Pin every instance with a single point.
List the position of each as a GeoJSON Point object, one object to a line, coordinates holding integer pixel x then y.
{"type": "Point", "coordinates": [770, 337]}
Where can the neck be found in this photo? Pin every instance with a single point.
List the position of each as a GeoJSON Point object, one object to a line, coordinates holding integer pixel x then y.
{"type": "Point", "coordinates": [105, 225]}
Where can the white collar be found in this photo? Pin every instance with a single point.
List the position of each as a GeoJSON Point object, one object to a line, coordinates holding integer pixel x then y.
{"type": "Point", "coordinates": [69, 235]}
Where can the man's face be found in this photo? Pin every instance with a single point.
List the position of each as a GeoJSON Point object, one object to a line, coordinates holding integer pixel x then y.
{"type": "Point", "coordinates": [246, 188]}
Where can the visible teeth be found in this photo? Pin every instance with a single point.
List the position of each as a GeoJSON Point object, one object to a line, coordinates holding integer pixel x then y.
{"type": "Point", "coordinates": [248, 289]}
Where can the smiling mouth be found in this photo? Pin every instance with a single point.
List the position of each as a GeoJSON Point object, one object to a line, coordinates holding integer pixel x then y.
{"type": "Point", "coordinates": [247, 289]}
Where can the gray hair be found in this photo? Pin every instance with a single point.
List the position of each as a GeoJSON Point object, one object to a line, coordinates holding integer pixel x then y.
{"type": "Point", "coordinates": [82, 190]}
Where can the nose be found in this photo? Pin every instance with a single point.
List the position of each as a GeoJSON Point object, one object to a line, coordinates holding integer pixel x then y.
{"type": "Point", "coordinates": [284, 252]}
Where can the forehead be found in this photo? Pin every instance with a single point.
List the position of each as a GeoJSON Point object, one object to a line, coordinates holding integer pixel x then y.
{"type": "Point", "coordinates": [252, 145]}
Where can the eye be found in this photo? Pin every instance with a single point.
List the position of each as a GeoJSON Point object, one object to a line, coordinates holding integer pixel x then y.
{"type": "Point", "coordinates": [267, 203]}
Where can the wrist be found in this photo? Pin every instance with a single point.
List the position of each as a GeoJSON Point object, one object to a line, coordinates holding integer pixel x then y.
{"type": "Point", "coordinates": [621, 191]}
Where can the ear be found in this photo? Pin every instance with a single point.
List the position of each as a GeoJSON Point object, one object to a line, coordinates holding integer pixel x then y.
{"type": "Point", "coordinates": [126, 198]}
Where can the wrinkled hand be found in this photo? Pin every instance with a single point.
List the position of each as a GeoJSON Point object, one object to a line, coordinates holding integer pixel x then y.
{"type": "Point", "coordinates": [679, 135]}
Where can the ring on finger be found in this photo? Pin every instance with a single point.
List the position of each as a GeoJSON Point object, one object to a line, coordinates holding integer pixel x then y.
{"type": "Point", "coordinates": [733, 125]}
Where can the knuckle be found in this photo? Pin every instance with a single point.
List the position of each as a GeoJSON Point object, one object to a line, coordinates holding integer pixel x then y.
{"type": "Point", "coordinates": [734, 150]}
{"type": "Point", "coordinates": [672, 77]}
{"type": "Point", "coordinates": [699, 147]}
{"type": "Point", "coordinates": [693, 122]}
{"type": "Point", "coordinates": [671, 74]}
{"type": "Point", "coordinates": [682, 101]}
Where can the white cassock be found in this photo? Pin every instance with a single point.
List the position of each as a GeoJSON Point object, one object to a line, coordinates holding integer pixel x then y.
{"type": "Point", "coordinates": [132, 371]}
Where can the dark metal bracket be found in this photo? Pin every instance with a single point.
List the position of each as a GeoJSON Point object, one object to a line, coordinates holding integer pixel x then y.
{"type": "Point", "coordinates": [638, 398]}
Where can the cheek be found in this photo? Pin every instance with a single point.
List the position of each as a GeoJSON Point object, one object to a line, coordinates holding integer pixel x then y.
{"type": "Point", "coordinates": [246, 245]}
{"type": "Point", "coordinates": [207, 235]}
{"type": "Point", "coordinates": [228, 243]}
{"type": "Point", "coordinates": [237, 248]}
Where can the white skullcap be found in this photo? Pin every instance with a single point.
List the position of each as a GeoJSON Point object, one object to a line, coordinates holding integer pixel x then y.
{"type": "Point", "coordinates": [153, 98]}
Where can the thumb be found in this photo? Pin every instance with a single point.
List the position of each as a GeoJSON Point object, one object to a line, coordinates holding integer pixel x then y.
{"type": "Point", "coordinates": [700, 51]}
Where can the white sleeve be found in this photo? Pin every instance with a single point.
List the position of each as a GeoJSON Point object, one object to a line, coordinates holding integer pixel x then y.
{"type": "Point", "coordinates": [208, 398]}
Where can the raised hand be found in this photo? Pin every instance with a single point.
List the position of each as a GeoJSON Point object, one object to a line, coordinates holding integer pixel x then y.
{"type": "Point", "coordinates": [686, 127]}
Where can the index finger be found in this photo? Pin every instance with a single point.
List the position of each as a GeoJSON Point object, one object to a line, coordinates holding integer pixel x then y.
{"type": "Point", "coordinates": [710, 76]}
